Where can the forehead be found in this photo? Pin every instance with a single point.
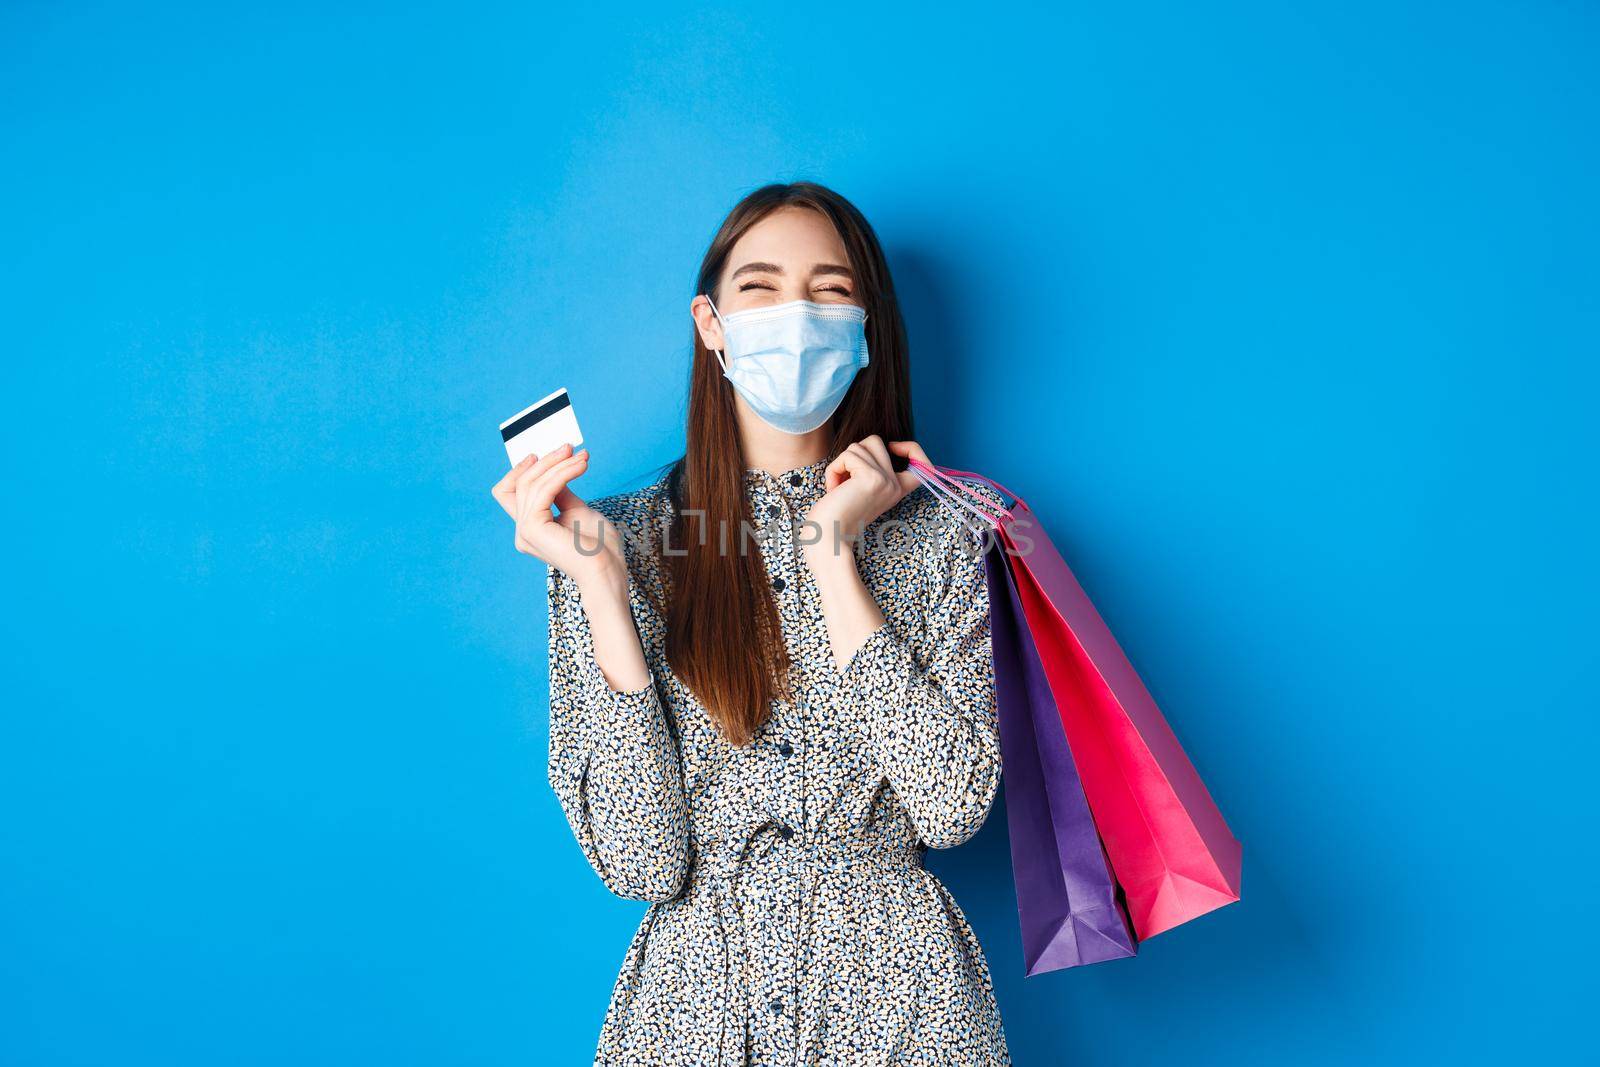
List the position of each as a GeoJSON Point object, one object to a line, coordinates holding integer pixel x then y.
{"type": "Point", "coordinates": [790, 237]}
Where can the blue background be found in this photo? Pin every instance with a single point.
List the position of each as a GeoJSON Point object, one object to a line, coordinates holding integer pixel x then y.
{"type": "Point", "coordinates": [1285, 322]}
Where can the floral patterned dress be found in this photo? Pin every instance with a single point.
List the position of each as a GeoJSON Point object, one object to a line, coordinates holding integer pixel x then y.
{"type": "Point", "coordinates": [793, 921]}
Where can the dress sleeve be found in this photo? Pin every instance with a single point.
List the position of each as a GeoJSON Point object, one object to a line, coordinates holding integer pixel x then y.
{"type": "Point", "coordinates": [932, 722]}
{"type": "Point", "coordinates": [614, 765]}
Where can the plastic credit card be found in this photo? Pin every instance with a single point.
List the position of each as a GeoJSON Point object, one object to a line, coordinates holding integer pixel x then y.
{"type": "Point", "coordinates": [541, 427]}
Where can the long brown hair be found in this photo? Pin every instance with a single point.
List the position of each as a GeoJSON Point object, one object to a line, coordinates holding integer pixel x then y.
{"type": "Point", "coordinates": [723, 640]}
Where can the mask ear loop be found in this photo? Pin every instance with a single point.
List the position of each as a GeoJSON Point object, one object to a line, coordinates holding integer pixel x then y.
{"type": "Point", "coordinates": [717, 351]}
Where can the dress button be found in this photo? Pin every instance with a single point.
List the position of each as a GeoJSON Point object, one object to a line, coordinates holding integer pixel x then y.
{"type": "Point", "coordinates": [777, 1007]}
{"type": "Point", "coordinates": [785, 749]}
{"type": "Point", "coordinates": [774, 510]}
{"type": "Point", "coordinates": [795, 480]}
{"type": "Point", "coordinates": [785, 831]}
{"type": "Point", "coordinates": [778, 584]}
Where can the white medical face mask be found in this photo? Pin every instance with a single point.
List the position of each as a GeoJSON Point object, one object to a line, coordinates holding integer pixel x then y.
{"type": "Point", "coordinates": [793, 362]}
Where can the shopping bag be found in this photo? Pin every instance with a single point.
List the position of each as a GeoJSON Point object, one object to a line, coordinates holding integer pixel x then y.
{"type": "Point", "coordinates": [1066, 900]}
{"type": "Point", "coordinates": [1171, 851]}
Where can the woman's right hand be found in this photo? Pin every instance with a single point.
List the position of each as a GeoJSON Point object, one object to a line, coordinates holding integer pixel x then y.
{"type": "Point", "coordinates": [580, 541]}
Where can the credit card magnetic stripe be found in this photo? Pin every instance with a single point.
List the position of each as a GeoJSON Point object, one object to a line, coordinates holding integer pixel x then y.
{"type": "Point", "coordinates": [537, 415]}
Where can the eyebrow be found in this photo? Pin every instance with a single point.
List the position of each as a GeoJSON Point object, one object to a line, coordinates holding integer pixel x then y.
{"type": "Point", "coordinates": [773, 268]}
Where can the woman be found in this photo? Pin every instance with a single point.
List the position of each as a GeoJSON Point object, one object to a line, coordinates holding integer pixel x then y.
{"type": "Point", "coordinates": [770, 679]}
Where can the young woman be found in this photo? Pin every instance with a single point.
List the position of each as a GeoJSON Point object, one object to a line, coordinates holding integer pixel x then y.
{"type": "Point", "coordinates": [770, 679]}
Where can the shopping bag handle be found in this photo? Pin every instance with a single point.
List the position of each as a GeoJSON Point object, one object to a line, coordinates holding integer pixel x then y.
{"type": "Point", "coordinates": [949, 501]}
{"type": "Point", "coordinates": [958, 494]}
{"type": "Point", "coordinates": [951, 475]}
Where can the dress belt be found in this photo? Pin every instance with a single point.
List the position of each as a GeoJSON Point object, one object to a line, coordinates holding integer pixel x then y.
{"type": "Point", "coordinates": [839, 856]}
{"type": "Point", "coordinates": [829, 855]}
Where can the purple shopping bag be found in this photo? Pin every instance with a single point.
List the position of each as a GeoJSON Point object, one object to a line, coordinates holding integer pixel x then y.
{"type": "Point", "coordinates": [1067, 901]}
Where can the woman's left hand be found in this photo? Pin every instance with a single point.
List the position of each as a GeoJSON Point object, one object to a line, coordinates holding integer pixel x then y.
{"type": "Point", "coordinates": [861, 485]}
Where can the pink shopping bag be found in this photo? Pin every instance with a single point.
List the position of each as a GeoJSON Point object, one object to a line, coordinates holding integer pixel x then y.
{"type": "Point", "coordinates": [1170, 849]}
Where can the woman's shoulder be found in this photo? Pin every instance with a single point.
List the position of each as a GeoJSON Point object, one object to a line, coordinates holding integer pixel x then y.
{"type": "Point", "coordinates": [923, 505]}
{"type": "Point", "coordinates": [933, 535]}
{"type": "Point", "coordinates": [638, 515]}
{"type": "Point", "coordinates": [634, 507]}
{"type": "Point", "coordinates": [983, 489]}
